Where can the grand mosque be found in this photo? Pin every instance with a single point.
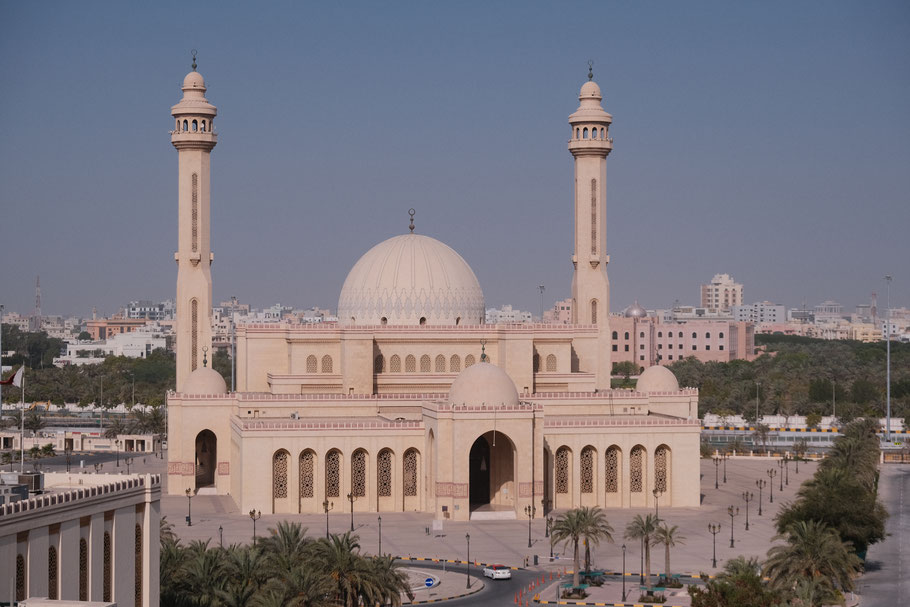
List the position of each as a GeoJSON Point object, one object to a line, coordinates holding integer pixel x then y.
{"type": "Point", "coordinates": [410, 402]}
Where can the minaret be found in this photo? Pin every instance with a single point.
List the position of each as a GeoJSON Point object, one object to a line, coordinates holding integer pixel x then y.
{"type": "Point", "coordinates": [194, 138]}
{"type": "Point", "coordinates": [590, 144]}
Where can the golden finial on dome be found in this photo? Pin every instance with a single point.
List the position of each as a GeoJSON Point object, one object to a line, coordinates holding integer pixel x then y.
{"type": "Point", "coordinates": [590, 69]}
{"type": "Point", "coordinates": [411, 213]}
{"type": "Point", "coordinates": [483, 350]}
{"type": "Point", "coordinates": [205, 359]}
{"type": "Point", "coordinates": [194, 59]}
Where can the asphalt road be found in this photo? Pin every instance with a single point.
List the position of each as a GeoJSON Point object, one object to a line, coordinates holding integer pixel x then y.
{"type": "Point", "coordinates": [496, 592]}
{"type": "Point", "coordinates": [57, 463]}
{"type": "Point", "coordinates": [887, 579]}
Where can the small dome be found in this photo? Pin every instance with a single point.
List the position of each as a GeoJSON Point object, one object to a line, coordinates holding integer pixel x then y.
{"type": "Point", "coordinates": [589, 89]}
{"type": "Point", "coordinates": [194, 80]}
{"type": "Point", "coordinates": [657, 379]}
{"type": "Point", "coordinates": [204, 381]}
{"type": "Point", "coordinates": [483, 383]}
{"type": "Point", "coordinates": [635, 311]}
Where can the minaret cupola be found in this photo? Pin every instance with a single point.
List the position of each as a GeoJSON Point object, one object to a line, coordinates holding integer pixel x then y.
{"type": "Point", "coordinates": [194, 116]}
{"type": "Point", "coordinates": [590, 134]}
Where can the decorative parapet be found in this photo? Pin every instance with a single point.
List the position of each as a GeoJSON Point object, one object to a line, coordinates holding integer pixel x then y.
{"type": "Point", "coordinates": [60, 498]}
{"type": "Point", "coordinates": [618, 421]}
{"type": "Point", "coordinates": [302, 424]}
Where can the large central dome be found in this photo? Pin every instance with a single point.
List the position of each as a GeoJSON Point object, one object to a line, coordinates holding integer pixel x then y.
{"type": "Point", "coordinates": [411, 280]}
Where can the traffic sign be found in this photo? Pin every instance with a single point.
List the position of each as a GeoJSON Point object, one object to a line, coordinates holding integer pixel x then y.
{"type": "Point", "coordinates": [429, 582]}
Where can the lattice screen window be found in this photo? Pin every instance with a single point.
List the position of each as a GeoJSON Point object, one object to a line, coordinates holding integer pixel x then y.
{"type": "Point", "coordinates": [410, 472]}
{"type": "Point", "coordinates": [332, 473]}
{"type": "Point", "coordinates": [379, 364]}
{"type": "Point", "coordinates": [455, 363]}
{"type": "Point", "coordinates": [83, 570]}
{"type": "Point", "coordinates": [440, 364]}
{"type": "Point", "coordinates": [661, 468]}
{"type": "Point", "coordinates": [594, 312]}
{"type": "Point", "coordinates": [280, 475]}
{"type": "Point", "coordinates": [594, 215]}
{"type": "Point", "coordinates": [468, 360]}
{"type": "Point", "coordinates": [20, 578]}
{"type": "Point", "coordinates": [536, 362]}
{"type": "Point", "coordinates": [425, 364]}
{"type": "Point", "coordinates": [562, 470]}
{"type": "Point", "coordinates": [194, 324]}
{"type": "Point", "coordinates": [195, 213]}
{"type": "Point", "coordinates": [551, 363]}
{"type": "Point", "coordinates": [359, 473]}
{"type": "Point", "coordinates": [384, 473]}
{"type": "Point", "coordinates": [307, 473]}
{"type": "Point", "coordinates": [587, 470]}
{"type": "Point", "coordinates": [138, 565]}
{"type": "Point", "coordinates": [52, 573]}
{"type": "Point", "coordinates": [311, 364]}
{"type": "Point", "coordinates": [410, 364]}
{"type": "Point", "coordinates": [636, 469]}
{"type": "Point", "coordinates": [612, 470]}
{"type": "Point", "coordinates": [326, 364]}
{"type": "Point", "coordinates": [395, 364]}
{"type": "Point", "coordinates": [106, 570]}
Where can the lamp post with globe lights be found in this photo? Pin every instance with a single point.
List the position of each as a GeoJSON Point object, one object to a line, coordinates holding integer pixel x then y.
{"type": "Point", "coordinates": [714, 529]}
{"type": "Point", "coordinates": [760, 483]}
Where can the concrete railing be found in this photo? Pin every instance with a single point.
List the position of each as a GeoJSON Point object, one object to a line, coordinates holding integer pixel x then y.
{"type": "Point", "coordinates": [72, 495]}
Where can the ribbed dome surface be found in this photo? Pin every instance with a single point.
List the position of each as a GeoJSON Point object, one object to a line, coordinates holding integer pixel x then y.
{"type": "Point", "coordinates": [409, 277]}
{"type": "Point", "coordinates": [483, 383]}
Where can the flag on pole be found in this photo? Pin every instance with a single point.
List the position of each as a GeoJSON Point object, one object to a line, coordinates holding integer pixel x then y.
{"type": "Point", "coordinates": [15, 380]}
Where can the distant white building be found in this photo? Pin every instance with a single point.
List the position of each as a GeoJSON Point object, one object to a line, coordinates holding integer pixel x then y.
{"type": "Point", "coordinates": [760, 312]}
{"type": "Point", "coordinates": [722, 293]}
{"type": "Point", "coordinates": [135, 344]}
{"type": "Point", "coordinates": [828, 311]}
{"type": "Point", "coordinates": [149, 310]}
{"type": "Point", "coordinates": [506, 315]}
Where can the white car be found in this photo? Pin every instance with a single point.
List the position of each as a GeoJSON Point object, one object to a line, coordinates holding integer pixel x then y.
{"type": "Point", "coordinates": [497, 572]}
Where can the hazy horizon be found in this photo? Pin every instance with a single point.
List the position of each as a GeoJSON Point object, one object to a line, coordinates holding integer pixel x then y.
{"type": "Point", "coordinates": [766, 141]}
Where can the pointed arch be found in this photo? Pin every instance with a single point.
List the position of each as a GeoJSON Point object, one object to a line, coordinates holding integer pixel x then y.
{"type": "Point", "coordinates": [637, 469]}
{"type": "Point", "coordinates": [312, 364]}
{"type": "Point", "coordinates": [384, 473]}
{"type": "Point", "coordinates": [359, 473]}
{"type": "Point", "coordinates": [551, 363]}
{"type": "Point", "coordinates": [468, 360]}
{"type": "Point", "coordinates": [440, 364]}
{"type": "Point", "coordinates": [326, 364]}
{"type": "Point", "coordinates": [613, 469]}
{"type": "Point", "coordinates": [410, 465]}
{"type": "Point", "coordinates": [588, 458]}
{"type": "Point", "coordinates": [455, 363]}
{"type": "Point", "coordinates": [395, 364]}
{"type": "Point", "coordinates": [425, 363]}
{"type": "Point", "coordinates": [662, 469]}
{"type": "Point", "coordinates": [333, 473]}
{"type": "Point", "coordinates": [410, 364]}
{"type": "Point", "coordinates": [307, 474]}
{"type": "Point", "coordinates": [280, 474]}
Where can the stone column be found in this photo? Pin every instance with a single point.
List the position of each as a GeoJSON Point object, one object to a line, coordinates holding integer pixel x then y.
{"type": "Point", "coordinates": [68, 570]}
{"type": "Point", "coordinates": [37, 570]}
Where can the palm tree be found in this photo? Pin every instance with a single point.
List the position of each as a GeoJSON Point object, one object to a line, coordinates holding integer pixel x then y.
{"type": "Point", "coordinates": [204, 574]}
{"type": "Point", "coordinates": [340, 560]}
{"type": "Point", "coordinates": [285, 547]}
{"type": "Point", "coordinates": [389, 581]}
{"type": "Point", "coordinates": [741, 566]}
{"type": "Point", "coordinates": [244, 573]}
{"type": "Point", "coordinates": [569, 527]}
{"type": "Point", "coordinates": [669, 537]}
{"type": "Point", "coordinates": [644, 529]}
{"type": "Point", "coordinates": [813, 550]}
{"type": "Point", "coordinates": [596, 528]}
{"type": "Point", "coordinates": [761, 434]}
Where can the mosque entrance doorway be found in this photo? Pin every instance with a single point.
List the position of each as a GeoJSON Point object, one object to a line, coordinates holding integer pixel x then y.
{"type": "Point", "coordinates": [206, 457]}
{"type": "Point", "coordinates": [491, 466]}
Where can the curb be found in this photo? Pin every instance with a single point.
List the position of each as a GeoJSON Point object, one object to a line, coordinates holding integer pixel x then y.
{"type": "Point", "coordinates": [480, 587]}
{"type": "Point", "coordinates": [455, 561]}
{"type": "Point", "coordinates": [604, 604]}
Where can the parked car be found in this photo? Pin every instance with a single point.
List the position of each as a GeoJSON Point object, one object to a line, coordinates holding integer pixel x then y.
{"type": "Point", "coordinates": [497, 572]}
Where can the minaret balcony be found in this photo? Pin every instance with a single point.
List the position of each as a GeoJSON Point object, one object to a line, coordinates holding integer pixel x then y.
{"type": "Point", "coordinates": [591, 146]}
{"type": "Point", "coordinates": [191, 139]}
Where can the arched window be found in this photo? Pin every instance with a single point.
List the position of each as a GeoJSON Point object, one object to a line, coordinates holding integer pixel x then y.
{"type": "Point", "coordinates": [203, 126]}
{"type": "Point", "coordinates": [455, 363]}
{"type": "Point", "coordinates": [707, 336]}
{"type": "Point", "coordinates": [106, 568]}
{"type": "Point", "coordinates": [587, 469]}
{"type": "Point", "coordinates": [378, 363]}
{"type": "Point", "coordinates": [468, 360]}
{"type": "Point", "coordinates": [612, 468]}
{"type": "Point", "coordinates": [636, 469]}
{"type": "Point", "coordinates": [694, 334]}
{"type": "Point", "coordinates": [307, 473]}
{"type": "Point", "coordinates": [425, 363]}
{"type": "Point", "coordinates": [584, 133]}
{"type": "Point", "coordinates": [326, 364]}
{"type": "Point", "coordinates": [457, 320]}
{"type": "Point", "coordinates": [383, 321]}
{"type": "Point", "coordinates": [185, 125]}
{"type": "Point", "coordinates": [593, 311]}
{"type": "Point", "coordinates": [642, 334]}
{"type": "Point", "coordinates": [615, 335]}
{"type": "Point", "coordinates": [195, 126]}
{"type": "Point", "coordinates": [137, 566]}
{"type": "Point", "coordinates": [332, 473]}
{"type": "Point", "coordinates": [661, 468]}
{"type": "Point", "coordinates": [660, 333]}
{"type": "Point", "coordinates": [359, 473]}
{"type": "Point", "coordinates": [551, 363]}
{"type": "Point", "coordinates": [280, 474]}
{"type": "Point", "coordinates": [440, 364]}
{"type": "Point", "coordinates": [536, 362]}
{"type": "Point", "coordinates": [562, 470]}
{"type": "Point", "coordinates": [384, 473]}
{"type": "Point", "coordinates": [83, 570]}
{"type": "Point", "coordinates": [601, 132]}
{"type": "Point", "coordinates": [423, 321]}
{"type": "Point", "coordinates": [680, 334]}
{"type": "Point", "coordinates": [194, 340]}
{"type": "Point", "coordinates": [410, 364]}
{"type": "Point", "coordinates": [720, 335]}
{"type": "Point", "coordinates": [577, 134]}
{"type": "Point", "coordinates": [409, 477]}
{"type": "Point", "coordinates": [52, 573]}
{"type": "Point", "coordinates": [311, 364]}
{"type": "Point", "coordinates": [626, 335]}
{"type": "Point", "coordinates": [20, 577]}
{"type": "Point", "coordinates": [395, 364]}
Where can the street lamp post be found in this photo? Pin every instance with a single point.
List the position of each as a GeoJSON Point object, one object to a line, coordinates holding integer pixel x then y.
{"type": "Point", "coordinates": [732, 511]}
{"type": "Point", "coordinates": [127, 461]}
{"type": "Point", "coordinates": [623, 573]}
{"type": "Point", "coordinates": [117, 444]}
{"type": "Point", "coordinates": [760, 483]}
{"type": "Point", "coordinates": [69, 453]}
{"type": "Point", "coordinates": [780, 464]}
{"type": "Point", "coordinates": [221, 536]}
{"type": "Point", "coordinates": [352, 498]}
{"type": "Point", "coordinates": [714, 529]}
{"type": "Point", "coordinates": [467, 537]}
{"type": "Point", "coordinates": [747, 497]}
{"type": "Point", "coordinates": [771, 474]}
{"type": "Point", "coordinates": [657, 493]}
{"type": "Point", "coordinates": [716, 468]}
{"type": "Point", "coordinates": [530, 511]}
{"type": "Point", "coordinates": [545, 502]}
{"type": "Point", "coordinates": [189, 506]}
{"type": "Point", "coordinates": [326, 506]}
{"type": "Point", "coordinates": [379, 519]}
{"type": "Point", "coordinates": [888, 363]}
{"type": "Point", "coordinates": [549, 527]}
{"type": "Point", "coordinates": [725, 456]}
{"type": "Point", "coordinates": [641, 565]}
{"type": "Point", "coordinates": [255, 515]}
{"type": "Point", "coordinates": [787, 468]}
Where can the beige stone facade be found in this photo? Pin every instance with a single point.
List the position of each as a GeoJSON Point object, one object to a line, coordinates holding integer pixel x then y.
{"type": "Point", "coordinates": [408, 404]}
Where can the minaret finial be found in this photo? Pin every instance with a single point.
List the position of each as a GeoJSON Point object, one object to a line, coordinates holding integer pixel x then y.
{"type": "Point", "coordinates": [205, 359]}
{"type": "Point", "coordinates": [590, 69]}
{"type": "Point", "coordinates": [194, 59]}
{"type": "Point", "coordinates": [483, 350]}
{"type": "Point", "coordinates": [411, 213]}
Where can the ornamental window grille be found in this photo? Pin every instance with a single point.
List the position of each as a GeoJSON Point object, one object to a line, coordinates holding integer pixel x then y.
{"type": "Point", "coordinates": [410, 472]}
{"type": "Point", "coordinates": [307, 473]}
{"type": "Point", "coordinates": [138, 565]}
{"type": "Point", "coordinates": [440, 364]}
{"type": "Point", "coordinates": [551, 363]}
{"type": "Point", "coordinates": [395, 364]}
{"type": "Point", "coordinates": [359, 473]}
{"type": "Point", "coordinates": [106, 569]}
{"type": "Point", "coordinates": [384, 473]}
{"type": "Point", "coordinates": [636, 469]}
{"type": "Point", "coordinates": [310, 364]}
{"type": "Point", "coordinates": [593, 217]}
{"type": "Point", "coordinates": [661, 468]}
{"type": "Point", "coordinates": [410, 364]}
{"type": "Point", "coordinates": [468, 360]}
{"type": "Point", "coordinates": [425, 363]}
{"type": "Point", "coordinates": [195, 212]}
{"type": "Point", "coordinates": [52, 573]}
{"type": "Point", "coordinates": [83, 570]}
{"type": "Point", "coordinates": [612, 470]}
{"type": "Point", "coordinates": [280, 474]}
{"type": "Point", "coordinates": [587, 470]}
{"type": "Point", "coordinates": [326, 364]}
{"type": "Point", "coordinates": [20, 577]}
{"type": "Point", "coordinates": [594, 312]}
{"type": "Point", "coordinates": [536, 362]}
{"type": "Point", "coordinates": [562, 470]}
{"type": "Point", "coordinates": [194, 316]}
{"type": "Point", "coordinates": [332, 473]}
{"type": "Point", "coordinates": [455, 363]}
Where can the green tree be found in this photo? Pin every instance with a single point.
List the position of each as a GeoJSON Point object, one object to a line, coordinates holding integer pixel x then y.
{"type": "Point", "coordinates": [813, 551]}
{"type": "Point", "coordinates": [644, 529]}
{"type": "Point", "coordinates": [740, 585]}
{"type": "Point", "coordinates": [84, 336]}
{"type": "Point", "coordinates": [570, 527]}
{"type": "Point", "coordinates": [34, 421]}
{"type": "Point", "coordinates": [669, 537]}
{"type": "Point", "coordinates": [596, 528]}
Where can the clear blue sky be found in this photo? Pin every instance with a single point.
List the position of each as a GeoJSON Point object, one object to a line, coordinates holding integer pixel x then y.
{"type": "Point", "coordinates": [768, 140]}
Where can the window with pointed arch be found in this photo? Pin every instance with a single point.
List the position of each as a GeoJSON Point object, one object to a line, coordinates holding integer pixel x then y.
{"type": "Point", "coordinates": [410, 364]}
{"type": "Point", "coordinates": [455, 363]}
{"type": "Point", "coordinates": [332, 473]}
{"type": "Point", "coordinates": [468, 360]}
{"type": "Point", "coordinates": [395, 364]}
{"type": "Point", "coordinates": [611, 469]}
{"type": "Point", "coordinates": [562, 470]}
{"type": "Point", "coordinates": [307, 473]}
{"type": "Point", "coordinates": [636, 469]}
{"type": "Point", "coordinates": [280, 474]}
{"type": "Point", "coordinates": [440, 364]}
{"type": "Point", "coordinates": [593, 311]}
{"type": "Point", "coordinates": [551, 363]}
{"type": "Point", "coordinates": [662, 468]}
{"type": "Point", "coordinates": [20, 577]}
{"type": "Point", "coordinates": [409, 463]}
{"type": "Point", "coordinates": [311, 364]}
{"type": "Point", "coordinates": [384, 473]}
{"type": "Point", "coordinates": [326, 364]}
{"type": "Point", "coordinates": [587, 469]}
{"type": "Point", "coordinates": [425, 363]}
{"type": "Point", "coordinates": [359, 473]}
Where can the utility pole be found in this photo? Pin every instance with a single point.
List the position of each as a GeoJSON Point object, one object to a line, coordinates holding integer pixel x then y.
{"type": "Point", "coordinates": [233, 346]}
{"type": "Point", "coordinates": [888, 372]}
